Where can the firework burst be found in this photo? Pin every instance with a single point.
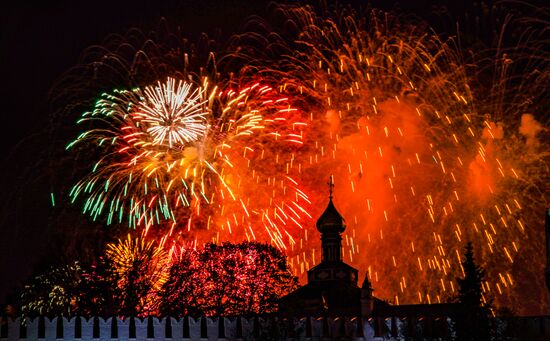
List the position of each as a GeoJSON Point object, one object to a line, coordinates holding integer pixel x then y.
{"type": "Point", "coordinates": [421, 167]}
{"type": "Point", "coordinates": [172, 114]}
{"type": "Point", "coordinates": [195, 154]}
{"type": "Point", "coordinates": [425, 153]}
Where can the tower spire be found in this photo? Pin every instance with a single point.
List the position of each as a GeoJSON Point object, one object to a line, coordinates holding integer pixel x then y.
{"type": "Point", "coordinates": [331, 225]}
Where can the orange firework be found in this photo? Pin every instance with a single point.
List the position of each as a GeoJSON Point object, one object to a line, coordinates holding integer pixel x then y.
{"type": "Point", "coordinates": [420, 167]}
{"type": "Point", "coordinates": [430, 147]}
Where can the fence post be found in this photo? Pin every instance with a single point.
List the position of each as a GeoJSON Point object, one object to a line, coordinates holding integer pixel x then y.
{"type": "Point", "coordinates": [212, 327]}
{"type": "Point", "coordinates": [141, 328]}
{"type": "Point", "coordinates": [316, 327]}
{"type": "Point", "coordinates": [69, 328]}
{"type": "Point", "coordinates": [51, 329]}
{"type": "Point", "coordinates": [87, 328]}
{"type": "Point", "coordinates": [350, 327]}
{"type": "Point", "coordinates": [299, 328]}
{"type": "Point", "coordinates": [337, 327]}
{"type": "Point", "coordinates": [368, 329]}
{"type": "Point", "coordinates": [159, 328]}
{"type": "Point", "coordinates": [230, 327]}
{"type": "Point", "coordinates": [123, 329]}
{"type": "Point", "coordinates": [195, 328]}
{"type": "Point", "coordinates": [247, 325]}
{"type": "Point", "coordinates": [14, 328]}
{"type": "Point", "coordinates": [105, 329]}
{"type": "Point", "coordinates": [177, 328]}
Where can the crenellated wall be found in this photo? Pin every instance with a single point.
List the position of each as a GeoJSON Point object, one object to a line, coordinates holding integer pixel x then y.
{"type": "Point", "coordinates": [206, 328]}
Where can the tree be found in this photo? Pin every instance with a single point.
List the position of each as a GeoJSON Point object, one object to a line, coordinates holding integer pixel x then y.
{"type": "Point", "coordinates": [474, 309]}
{"type": "Point", "coordinates": [99, 295]}
{"type": "Point", "coordinates": [69, 290]}
{"type": "Point", "coordinates": [54, 292]}
{"type": "Point", "coordinates": [180, 294]}
{"type": "Point", "coordinates": [125, 282]}
{"type": "Point", "coordinates": [140, 269]}
{"type": "Point", "coordinates": [227, 279]}
{"type": "Point", "coordinates": [135, 278]}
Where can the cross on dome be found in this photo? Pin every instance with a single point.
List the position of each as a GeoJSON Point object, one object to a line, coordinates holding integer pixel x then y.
{"type": "Point", "coordinates": [331, 221]}
{"type": "Point", "coordinates": [330, 184]}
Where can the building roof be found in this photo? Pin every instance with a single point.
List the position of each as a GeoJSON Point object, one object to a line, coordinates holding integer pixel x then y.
{"type": "Point", "coordinates": [325, 299]}
{"type": "Point", "coordinates": [331, 220]}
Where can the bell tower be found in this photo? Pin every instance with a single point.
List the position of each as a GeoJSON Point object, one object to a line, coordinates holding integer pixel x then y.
{"type": "Point", "coordinates": [331, 225]}
{"type": "Point", "coordinates": [331, 288]}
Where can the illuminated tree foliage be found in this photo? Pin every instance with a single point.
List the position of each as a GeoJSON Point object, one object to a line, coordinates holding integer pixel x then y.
{"type": "Point", "coordinates": [227, 279]}
{"type": "Point", "coordinates": [137, 278]}
{"type": "Point", "coordinates": [140, 270]}
{"type": "Point", "coordinates": [55, 292]}
{"type": "Point", "coordinates": [72, 289]}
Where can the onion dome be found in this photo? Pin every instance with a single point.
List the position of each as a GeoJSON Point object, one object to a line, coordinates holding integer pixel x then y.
{"type": "Point", "coordinates": [331, 220]}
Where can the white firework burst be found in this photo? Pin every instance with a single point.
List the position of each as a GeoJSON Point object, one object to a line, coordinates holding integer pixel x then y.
{"type": "Point", "coordinates": [174, 114]}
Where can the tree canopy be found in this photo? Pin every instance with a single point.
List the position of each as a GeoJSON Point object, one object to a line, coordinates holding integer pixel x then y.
{"type": "Point", "coordinates": [227, 279]}
{"type": "Point", "coordinates": [138, 278]}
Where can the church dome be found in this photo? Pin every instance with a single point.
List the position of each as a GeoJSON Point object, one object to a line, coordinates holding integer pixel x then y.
{"type": "Point", "coordinates": [331, 220]}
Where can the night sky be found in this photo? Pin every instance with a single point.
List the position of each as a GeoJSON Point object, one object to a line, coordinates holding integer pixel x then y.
{"type": "Point", "coordinates": [40, 41]}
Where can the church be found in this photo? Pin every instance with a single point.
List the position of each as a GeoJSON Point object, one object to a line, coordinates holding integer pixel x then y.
{"type": "Point", "coordinates": [332, 285]}
{"type": "Point", "coordinates": [332, 288]}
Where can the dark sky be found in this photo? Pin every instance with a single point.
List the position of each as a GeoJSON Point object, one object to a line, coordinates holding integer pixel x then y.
{"type": "Point", "coordinates": [39, 41]}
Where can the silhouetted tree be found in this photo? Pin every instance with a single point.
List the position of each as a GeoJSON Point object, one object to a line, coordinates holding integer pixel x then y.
{"type": "Point", "coordinates": [474, 309]}
{"type": "Point", "coordinates": [99, 294]}
{"type": "Point", "coordinates": [136, 279]}
{"type": "Point", "coordinates": [69, 290]}
{"type": "Point", "coordinates": [54, 292]}
{"type": "Point", "coordinates": [140, 268]}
